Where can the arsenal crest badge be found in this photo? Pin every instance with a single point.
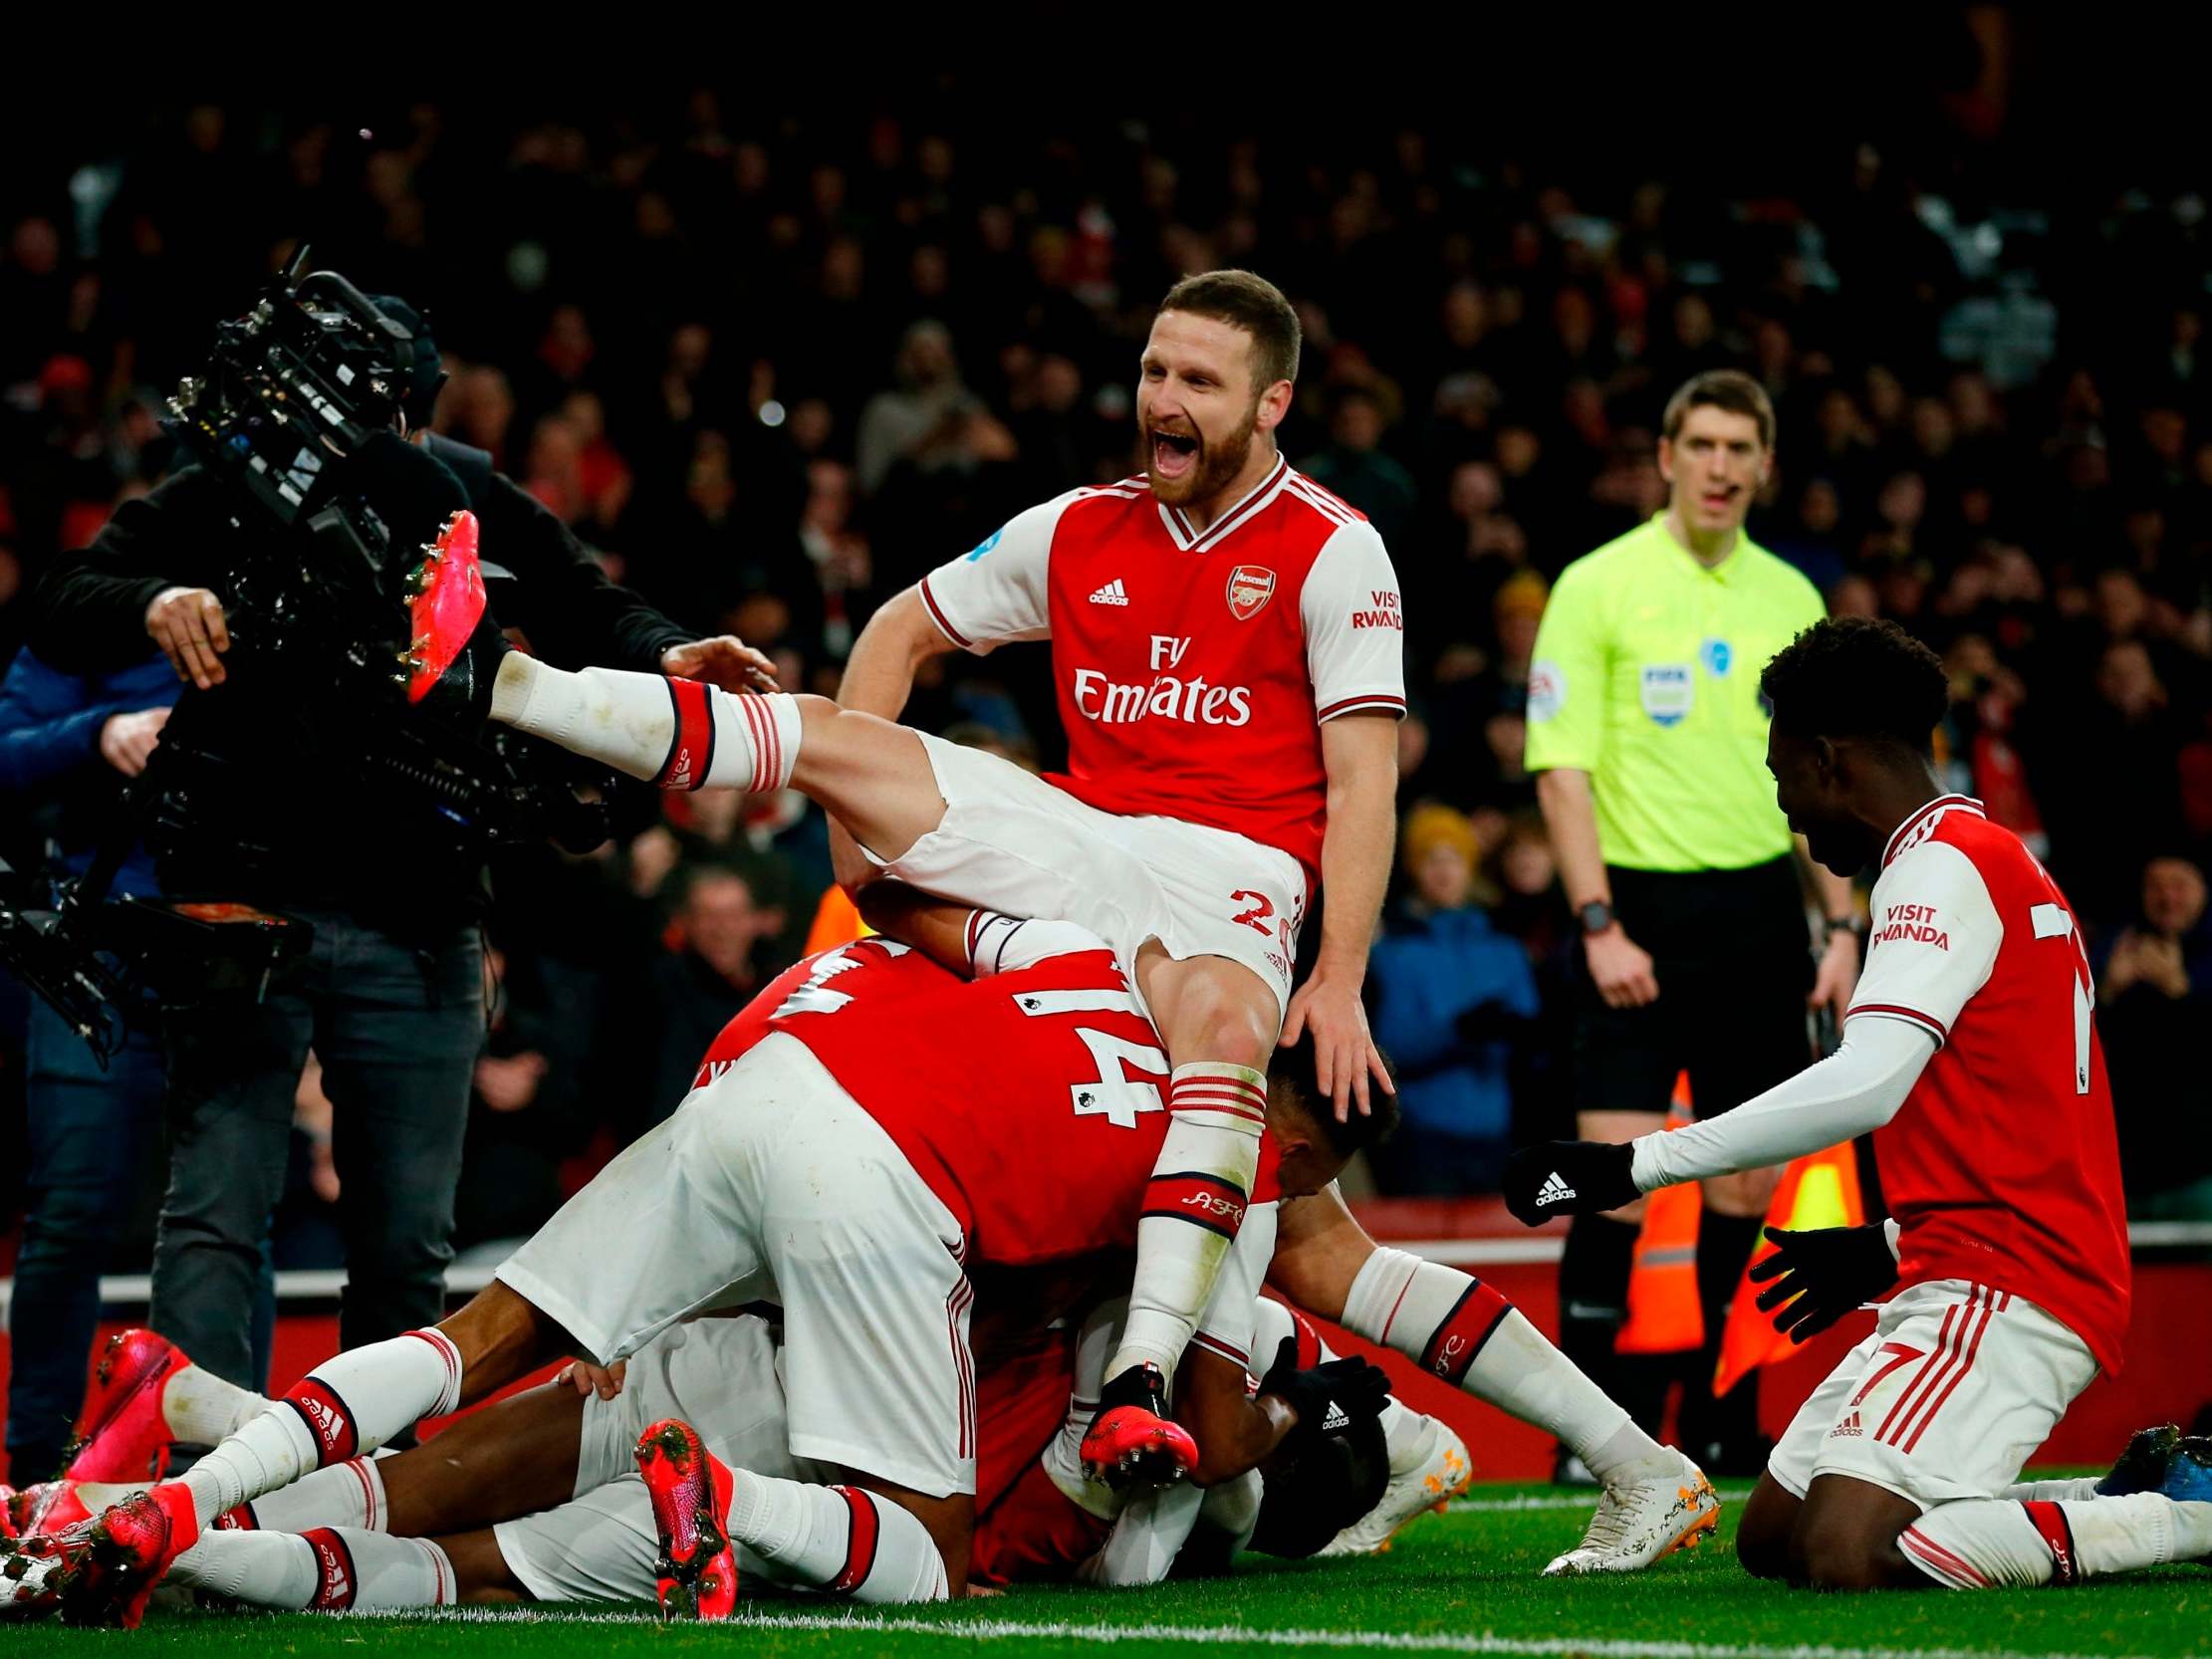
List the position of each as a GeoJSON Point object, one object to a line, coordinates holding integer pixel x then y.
{"type": "Point", "coordinates": [1250, 588]}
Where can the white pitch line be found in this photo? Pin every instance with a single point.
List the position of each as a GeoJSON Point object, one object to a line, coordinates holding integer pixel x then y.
{"type": "Point", "coordinates": [1559, 1501]}
{"type": "Point", "coordinates": [999, 1629]}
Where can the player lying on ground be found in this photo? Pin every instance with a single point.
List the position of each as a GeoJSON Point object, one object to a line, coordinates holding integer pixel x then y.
{"type": "Point", "coordinates": [1971, 1054]}
{"type": "Point", "coordinates": [537, 1495]}
{"type": "Point", "coordinates": [839, 1146]}
{"type": "Point", "coordinates": [1226, 647]}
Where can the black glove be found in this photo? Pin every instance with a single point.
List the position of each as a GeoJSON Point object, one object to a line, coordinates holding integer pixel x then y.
{"type": "Point", "coordinates": [1829, 1270]}
{"type": "Point", "coordinates": [1569, 1178]}
{"type": "Point", "coordinates": [1329, 1398]}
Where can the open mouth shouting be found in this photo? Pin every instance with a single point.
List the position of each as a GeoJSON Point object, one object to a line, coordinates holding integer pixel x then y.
{"type": "Point", "coordinates": [1174, 454]}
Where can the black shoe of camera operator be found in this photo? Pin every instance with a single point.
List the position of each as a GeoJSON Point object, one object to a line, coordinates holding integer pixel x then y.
{"type": "Point", "coordinates": [453, 647]}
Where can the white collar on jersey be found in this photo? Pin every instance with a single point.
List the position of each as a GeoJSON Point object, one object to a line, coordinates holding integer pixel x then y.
{"type": "Point", "coordinates": [1921, 823]}
{"type": "Point", "coordinates": [1192, 540]}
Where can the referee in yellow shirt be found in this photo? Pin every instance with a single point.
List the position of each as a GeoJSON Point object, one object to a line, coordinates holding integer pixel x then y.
{"type": "Point", "coordinates": [1645, 726]}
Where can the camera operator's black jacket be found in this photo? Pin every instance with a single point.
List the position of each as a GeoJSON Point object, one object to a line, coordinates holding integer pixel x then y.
{"type": "Point", "coordinates": [332, 839]}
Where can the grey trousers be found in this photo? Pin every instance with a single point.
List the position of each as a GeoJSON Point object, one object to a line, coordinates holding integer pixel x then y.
{"type": "Point", "coordinates": [397, 1031]}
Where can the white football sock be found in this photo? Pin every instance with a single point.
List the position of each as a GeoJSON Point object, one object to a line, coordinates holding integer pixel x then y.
{"type": "Point", "coordinates": [200, 1408]}
{"type": "Point", "coordinates": [1193, 1206]}
{"type": "Point", "coordinates": [837, 1538]}
{"type": "Point", "coordinates": [1455, 1327]}
{"type": "Point", "coordinates": [1987, 1542]}
{"type": "Point", "coordinates": [679, 734]}
{"type": "Point", "coordinates": [262, 1569]}
{"type": "Point", "coordinates": [348, 1494]}
{"type": "Point", "coordinates": [327, 1569]}
{"type": "Point", "coordinates": [2083, 1487]}
{"type": "Point", "coordinates": [350, 1404]}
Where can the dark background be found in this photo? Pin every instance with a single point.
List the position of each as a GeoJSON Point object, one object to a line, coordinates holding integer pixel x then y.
{"type": "Point", "coordinates": [1966, 251]}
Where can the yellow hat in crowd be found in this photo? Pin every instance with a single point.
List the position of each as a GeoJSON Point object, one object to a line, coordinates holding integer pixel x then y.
{"type": "Point", "coordinates": [1523, 593]}
{"type": "Point", "coordinates": [1430, 825]}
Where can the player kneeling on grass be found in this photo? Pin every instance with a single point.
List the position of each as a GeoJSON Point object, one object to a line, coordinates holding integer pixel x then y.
{"type": "Point", "coordinates": [1971, 1054]}
{"type": "Point", "coordinates": [841, 1148]}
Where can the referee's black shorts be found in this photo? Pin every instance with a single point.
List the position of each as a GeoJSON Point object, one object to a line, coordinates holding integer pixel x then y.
{"type": "Point", "coordinates": [1734, 962]}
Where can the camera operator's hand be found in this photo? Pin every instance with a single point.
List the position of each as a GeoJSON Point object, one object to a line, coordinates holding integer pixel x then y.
{"type": "Point", "coordinates": [128, 739]}
{"type": "Point", "coordinates": [187, 623]}
{"type": "Point", "coordinates": [725, 660]}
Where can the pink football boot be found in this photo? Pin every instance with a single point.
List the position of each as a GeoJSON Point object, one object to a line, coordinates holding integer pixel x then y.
{"type": "Point", "coordinates": [690, 1491]}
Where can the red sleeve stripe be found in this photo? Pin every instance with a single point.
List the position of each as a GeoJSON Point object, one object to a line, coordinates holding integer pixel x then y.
{"type": "Point", "coordinates": [1452, 1346]}
{"type": "Point", "coordinates": [1896, 1011]}
{"type": "Point", "coordinates": [1308, 1340]}
{"type": "Point", "coordinates": [937, 615]}
{"type": "Point", "coordinates": [861, 1537]}
{"type": "Point", "coordinates": [957, 1305]}
{"type": "Point", "coordinates": [1366, 700]}
{"type": "Point", "coordinates": [1201, 1200]}
{"type": "Point", "coordinates": [1973, 1349]}
{"type": "Point", "coordinates": [767, 747]}
{"type": "Point", "coordinates": [974, 931]}
{"type": "Point", "coordinates": [1188, 1081]}
{"type": "Point", "coordinates": [1941, 1563]}
{"type": "Point", "coordinates": [1213, 1345]}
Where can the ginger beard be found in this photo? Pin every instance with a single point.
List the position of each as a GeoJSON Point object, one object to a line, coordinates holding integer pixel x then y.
{"type": "Point", "coordinates": [1186, 466]}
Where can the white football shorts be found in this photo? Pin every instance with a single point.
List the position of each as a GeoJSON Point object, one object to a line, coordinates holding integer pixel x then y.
{"type": "Point", "coordinates": [719, 1375]}
{"type": "Point", "coordinates": [771, 1183]}
{"type": "Point", "coordinates": [1952, 1393]}
{"type": "Point", "coordinates": [1011, 841]}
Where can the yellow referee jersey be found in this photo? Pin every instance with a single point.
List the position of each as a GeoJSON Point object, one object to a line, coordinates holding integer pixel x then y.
{"type": "Point", "coordinates": [1646, 676]}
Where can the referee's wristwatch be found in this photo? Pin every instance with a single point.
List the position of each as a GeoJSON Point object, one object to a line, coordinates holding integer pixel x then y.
{"type": "Point", "coordinates": [1854, 924]}
{"type": "Point", "coordinates": [1595, 916]}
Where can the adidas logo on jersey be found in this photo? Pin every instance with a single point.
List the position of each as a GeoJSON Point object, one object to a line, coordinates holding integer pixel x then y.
{"type": "Point", "coordinates": [1110, 593]}
{"type": "Point", "coordinates": [1849, 1425]}
{"type": "Point", "coordinates": [1554, 1191]}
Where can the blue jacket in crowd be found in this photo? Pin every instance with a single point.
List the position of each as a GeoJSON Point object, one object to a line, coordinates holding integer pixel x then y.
{"type": "Point", "coordinates": [50, 751]}
{"type": "Point", "coordinates": [1430, 967]}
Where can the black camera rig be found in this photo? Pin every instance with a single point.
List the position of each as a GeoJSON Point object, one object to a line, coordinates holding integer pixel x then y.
{"type": "Point", "coordinates": [302, 401]}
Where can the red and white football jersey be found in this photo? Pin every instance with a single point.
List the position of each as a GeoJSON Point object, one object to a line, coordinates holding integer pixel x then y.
{"type": "Point", "coordinates": [2002, 1166]}
{"type": "Point", "coordinates": [1194, 669]}
{"type": "Point", "coordinates": [1031, 1100]}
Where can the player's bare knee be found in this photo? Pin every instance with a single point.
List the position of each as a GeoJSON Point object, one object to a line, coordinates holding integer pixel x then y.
{"type": "Point", "coordinates": [1762, 1532]}
{"type": "Point", "coordinates": [500, 1335]}
{"type": "Point", "coordinates": [1211, 1009]}
{"type": "Point", "coordinates": [1832, 1552]}
{"type": "Point", "coordinates": [481, 1576]}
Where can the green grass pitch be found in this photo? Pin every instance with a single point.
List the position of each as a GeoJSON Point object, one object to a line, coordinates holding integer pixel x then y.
{"type": "Point", "coordinates": [1460, 1582]}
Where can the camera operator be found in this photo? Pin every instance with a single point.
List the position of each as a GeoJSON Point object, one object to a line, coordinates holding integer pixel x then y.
{"type": "Point", "coordinates": [67, 745]}
{"type": "Point", "coordinates": [277, 810]}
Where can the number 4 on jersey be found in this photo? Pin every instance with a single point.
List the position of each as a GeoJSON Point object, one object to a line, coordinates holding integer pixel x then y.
{"type": "Point", "coordinates": [1112, 1095]}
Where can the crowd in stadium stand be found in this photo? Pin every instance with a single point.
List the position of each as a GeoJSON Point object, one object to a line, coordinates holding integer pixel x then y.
{"type": "Point", "coordinates": [773, 374]}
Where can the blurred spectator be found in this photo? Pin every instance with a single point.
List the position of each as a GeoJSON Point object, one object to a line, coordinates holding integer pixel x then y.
{"type": "Point", "coordinates": [2155, 999]}
{"type": "Point", "coordinates": [929, 420]}
{"type": "Point", "coordinates": [1354, 467]}
{"type": "Point", "coordinates": [1453, 999]}
{"type": "Point", "coordinates": [707, 973]}
{"type": "Point", "coordinates": [679, 329]}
